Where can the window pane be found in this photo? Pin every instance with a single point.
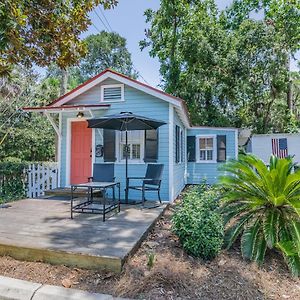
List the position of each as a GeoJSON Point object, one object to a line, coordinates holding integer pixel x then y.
{"type": "Point", "coordinates": [123, 138]}
{"type": "Point", "coordinates": [132, 136]}
{"type": "Point", "coordinates": [202, 143]}
{"type": "Point", "coordinates": [202, 155]}
{"type": "Point", "coordinates": [123, 151]}
{"type": "Point", "coordinates": [209, 143]}
{"type": "Point", "coordinates": [136, 151]}
{"type": "Point", "coordinates": [209, 155]}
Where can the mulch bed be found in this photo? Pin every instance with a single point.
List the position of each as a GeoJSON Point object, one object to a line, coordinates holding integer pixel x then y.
{"type": "Point", "coordinates": [173, 275]}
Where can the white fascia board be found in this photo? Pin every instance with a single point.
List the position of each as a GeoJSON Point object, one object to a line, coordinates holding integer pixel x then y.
{"type": "Point", "coordinates": [214, 128]}
{"type": "Point", "coordinates": [67, 109]}
{"type": "Point", "coordinates": [83, 89]}
{"type": "Point", "coordinates": [183, 117]}
{"type": "Point", "coordinates": [123, 80]}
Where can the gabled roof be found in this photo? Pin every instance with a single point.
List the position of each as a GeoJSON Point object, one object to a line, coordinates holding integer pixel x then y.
{"type": "Point", "coordinates": [108, 73]}
{"type": "Point", "coordinates": [61, 102]}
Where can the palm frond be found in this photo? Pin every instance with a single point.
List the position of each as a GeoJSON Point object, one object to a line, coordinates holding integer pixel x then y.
{"type": "Point", "coordinates": [271, 227]}
{"type": "Point", "coordinates": [248, 239]}
{"type": "Point", "coordinates": [260, 247]}
{"type": "Point", "coordinates": [234, 231]}
{"type": "Point", "coordinates": [291, 256]}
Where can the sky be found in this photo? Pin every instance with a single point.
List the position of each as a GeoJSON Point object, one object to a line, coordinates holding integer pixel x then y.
{"type": "Point", "coordinates": [128, 19]}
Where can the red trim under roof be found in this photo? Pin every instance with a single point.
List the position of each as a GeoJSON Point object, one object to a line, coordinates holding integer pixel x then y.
{"type": "Point", "coordinates": [67, 106]}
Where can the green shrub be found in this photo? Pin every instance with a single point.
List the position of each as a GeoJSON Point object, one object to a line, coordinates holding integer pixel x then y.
{"type": "Point", "coordinates": [198, 224]}
{"type": "Point", "coordinates": [12, 180]}
{"type": "Point", "coordinates": [263, 204]}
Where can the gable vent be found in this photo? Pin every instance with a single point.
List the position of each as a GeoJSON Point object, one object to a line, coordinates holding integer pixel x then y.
{"type": "Point", "coordinates": [112, 93]}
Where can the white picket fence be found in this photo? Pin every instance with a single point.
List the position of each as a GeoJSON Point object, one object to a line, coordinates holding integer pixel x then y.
{"type": "Point", "coordinates": [41, 177]}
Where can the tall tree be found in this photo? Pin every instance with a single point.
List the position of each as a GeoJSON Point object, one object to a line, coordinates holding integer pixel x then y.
{"type": "Point", "coordinates": [41, 32]}
{"type": "Point", "coordinates": [284, 16]}
{"type": "Point", "coordinates": [104, 50]}
{"type": "Point", "coordinates": [231, 71]}
{"type": "Point", "coordinates": [191, 45]}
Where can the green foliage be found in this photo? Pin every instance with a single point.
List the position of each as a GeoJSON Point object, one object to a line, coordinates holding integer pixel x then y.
{"type": "Point", "coordinates": [198, 224]}
{"type": "Point", "coordinates": [26, 136]}
{"type": "Point", "coordinates": [12, 180]}
{"type": "Point", "coordinates": [41, 32]}
{"type": "Point", "coordinates": [262, 205]}
{"type": "Point", "coordinates": [231, 69]}
{"type": "Point", "coordinates": [104, 50]}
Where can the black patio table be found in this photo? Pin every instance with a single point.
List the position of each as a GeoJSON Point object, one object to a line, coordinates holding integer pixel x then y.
{"type": "Point", "coordinates": [94, 207]}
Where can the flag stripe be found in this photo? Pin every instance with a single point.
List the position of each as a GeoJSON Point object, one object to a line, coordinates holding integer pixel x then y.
{"type": "Point", "coordinates": [279, 147]}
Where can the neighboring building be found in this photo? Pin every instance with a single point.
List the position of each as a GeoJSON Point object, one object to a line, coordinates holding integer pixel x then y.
{"type": "Point", "coordinates": [278, 144]}
{"type": "Point", "coordinates": [189, 154]}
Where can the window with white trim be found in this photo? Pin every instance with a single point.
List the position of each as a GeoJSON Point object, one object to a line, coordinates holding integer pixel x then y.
{"type": "Point", "coordinates": [135, 146]}
{"type": "Point", "coordinates": [178, 144]}
{"type": "Point", "coordinates": [112, 93]}
{"type": "Point", "coordinates": [206, 148]}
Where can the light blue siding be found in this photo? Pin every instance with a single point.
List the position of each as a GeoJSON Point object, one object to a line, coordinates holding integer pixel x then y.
{"type": "Point", "coordinates": [197, 172]}
{"type": "Point", "coordinates": [144, 104]}
{"type": "Point", "coordinates": [179, 168]}
{"type": "Point", "coordinates": [137, 102]}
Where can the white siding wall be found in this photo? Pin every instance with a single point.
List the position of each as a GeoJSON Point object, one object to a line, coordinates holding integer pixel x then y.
{"type": "Point", "coordinates": [262, 145]}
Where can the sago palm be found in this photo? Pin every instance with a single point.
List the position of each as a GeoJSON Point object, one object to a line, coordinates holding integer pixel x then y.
{"type": "Point", "coordinates": [261, 204]}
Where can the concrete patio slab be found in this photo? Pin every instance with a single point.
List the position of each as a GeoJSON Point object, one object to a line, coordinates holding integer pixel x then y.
{"type": "Point", "coordinates": [41, 230]}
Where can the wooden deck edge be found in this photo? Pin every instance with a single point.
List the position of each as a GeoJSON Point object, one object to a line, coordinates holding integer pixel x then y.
{"type": "Point", "coordinates": [143, 237]}
{"type": "Point", "coordinates": [54, 257]}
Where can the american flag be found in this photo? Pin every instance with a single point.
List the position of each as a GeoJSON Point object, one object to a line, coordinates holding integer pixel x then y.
{"type": "Point", "coordinates": [279, 147]}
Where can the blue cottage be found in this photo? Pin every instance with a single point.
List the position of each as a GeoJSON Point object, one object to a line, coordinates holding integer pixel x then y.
{"type": "Point", "coordinates": [190, 154]}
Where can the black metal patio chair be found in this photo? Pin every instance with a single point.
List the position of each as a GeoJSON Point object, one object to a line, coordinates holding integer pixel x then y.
{"type": "Point", "coordinates": [150, 183]}
{"type": "Point", "coordinates": [103, 172]}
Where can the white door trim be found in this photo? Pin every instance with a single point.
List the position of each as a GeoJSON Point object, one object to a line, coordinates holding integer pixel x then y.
{"type": "Point", "coordinates": [68, 148]}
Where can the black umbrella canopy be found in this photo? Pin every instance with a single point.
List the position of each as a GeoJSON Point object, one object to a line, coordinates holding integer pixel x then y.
{"type": "Point", "coordinates": [125, 121]}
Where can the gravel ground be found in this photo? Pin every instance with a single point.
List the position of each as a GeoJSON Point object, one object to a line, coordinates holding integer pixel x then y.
{"type": "Point", "coordinates": [173, 275]}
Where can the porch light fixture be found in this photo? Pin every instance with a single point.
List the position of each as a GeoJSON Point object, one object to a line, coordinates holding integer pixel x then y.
{"type": "Point", "coordinates": [80, 115]}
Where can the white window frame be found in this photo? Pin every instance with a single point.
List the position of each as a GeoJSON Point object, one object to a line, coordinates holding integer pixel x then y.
{"type": "Point", "coordinates": [181, 143]}
{"type": "Point", "coordinates": [112, 86]}
{"type": "Point", "coordinates": [214, 137]}
{"type": "Point", "coordinates": [142, 149]}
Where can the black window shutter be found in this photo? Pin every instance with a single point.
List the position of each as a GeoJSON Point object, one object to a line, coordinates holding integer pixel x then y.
{"type": "Point", "coordinates": [109, 145]}
{"type": "Point", "coordinates": [191, 148]}
{"type": "Point", "coordinates": [177, 133]}
{"type": "Point", "coordinates": [221, 148]}
{"type": "Point", "coordinates": [151, 145]}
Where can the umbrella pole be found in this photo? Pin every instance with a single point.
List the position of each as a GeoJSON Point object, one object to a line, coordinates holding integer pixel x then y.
{"type": "Point", "coordinates": [126, 166]}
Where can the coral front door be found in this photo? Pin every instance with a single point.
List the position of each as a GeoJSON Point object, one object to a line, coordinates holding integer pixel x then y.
{"type": "Point", "coordinates": [81, 152]}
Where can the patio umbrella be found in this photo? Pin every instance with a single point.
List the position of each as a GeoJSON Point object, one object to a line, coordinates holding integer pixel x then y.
{"type": "Point", "coordinates": [125, 121]}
